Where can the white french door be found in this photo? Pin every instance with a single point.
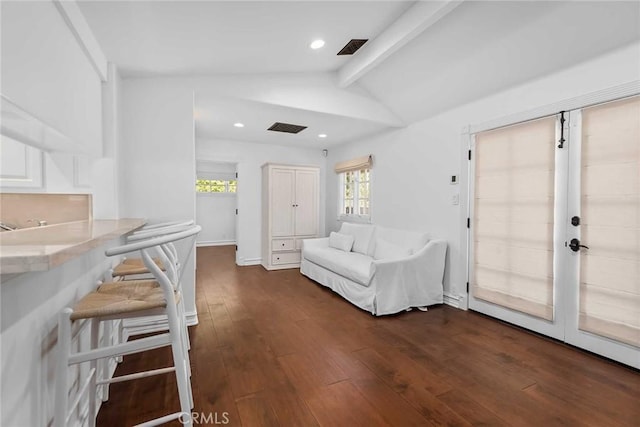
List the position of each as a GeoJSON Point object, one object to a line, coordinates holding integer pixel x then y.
{"type": "Point", "coordinates": [554, 239]}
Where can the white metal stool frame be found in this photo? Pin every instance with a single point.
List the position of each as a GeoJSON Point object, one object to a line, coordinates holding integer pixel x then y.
{"type": "Point", "coordinates": [174, 338]}
{"type": "Point", "coordinates": [149, 232]}
{"type": "Point", "coordinates": [171, 260]}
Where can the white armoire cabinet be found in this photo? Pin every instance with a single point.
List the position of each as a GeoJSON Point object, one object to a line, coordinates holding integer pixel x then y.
{"type": "Point", "coordinates": [290, 212]}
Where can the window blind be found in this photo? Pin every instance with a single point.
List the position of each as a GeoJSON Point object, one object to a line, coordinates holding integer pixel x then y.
{"type": "Point", "coordinates": [354, 164]}
{"type": "Point", "coordinates": [609, 303]}
{"type": "Point", "coordinates": [513, 217]}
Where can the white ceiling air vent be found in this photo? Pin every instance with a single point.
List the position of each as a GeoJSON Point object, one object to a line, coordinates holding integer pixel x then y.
{"type": "Point", "coordinates": [352, 47]}
{"type": "Point", "coordinates": [286, 127]}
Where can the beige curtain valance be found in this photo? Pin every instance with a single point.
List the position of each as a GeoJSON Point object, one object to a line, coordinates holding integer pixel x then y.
{"type": "Point", "coordinates": [354, 164]}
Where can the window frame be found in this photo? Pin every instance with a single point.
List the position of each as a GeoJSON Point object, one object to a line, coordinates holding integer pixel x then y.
{"type": "Point", "coordinates": [356, 216]}
{"type": "Point", "coordinates": [227, 186]}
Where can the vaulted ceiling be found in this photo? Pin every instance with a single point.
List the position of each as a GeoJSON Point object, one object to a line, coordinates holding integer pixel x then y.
{"type": "Point", "coordinates": [250, 61]}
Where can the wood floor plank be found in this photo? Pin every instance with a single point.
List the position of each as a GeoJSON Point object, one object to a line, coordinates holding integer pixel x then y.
{"type": "Point", "coordinates": [412, 387]}
{"type": "Point", "coordinates": [462, 404]}
{"type": "Point", "coordinates": [255, 410]}
{"type": "Point", "coordinates": [341, 404]}
{"type": "Point", "coordinates": [391, 406]}
{"type": "Point", "coordinates": [308, 371]}
{"type": "Point", "coordinates": [289, 407]}
{"type": "Point", "coordinates": [275, 348]}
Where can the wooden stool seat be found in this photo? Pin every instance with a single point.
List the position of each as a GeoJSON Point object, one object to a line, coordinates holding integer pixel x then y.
{"type": "Point", "coordinates": [132, 266]}
{"type": "Point", "coordinates": [121, 298]}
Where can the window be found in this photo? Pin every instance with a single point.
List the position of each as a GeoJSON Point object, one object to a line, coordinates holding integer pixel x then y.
{"type": "Point", "coordinates": [216, 186]}
{"type": "Point", "coordinates": [355, 186]}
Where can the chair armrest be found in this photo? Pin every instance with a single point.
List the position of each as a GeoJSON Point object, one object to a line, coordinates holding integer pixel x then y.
{"type": "Point", "coordinates": [428, 259]}
{"type": "Point", "coordinates": [417, 276]}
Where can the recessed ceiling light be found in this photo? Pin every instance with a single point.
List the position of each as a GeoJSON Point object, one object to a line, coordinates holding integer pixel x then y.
{"type": "Point", "coordinates": [316, 44]}
{"type": "Point", "coordinates": [238, 125]}
{"type": "Point", "coordinates": [322, 135]}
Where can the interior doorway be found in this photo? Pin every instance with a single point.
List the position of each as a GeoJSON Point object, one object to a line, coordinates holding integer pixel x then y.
{"type": "Point", "coordinates": [216, 202]}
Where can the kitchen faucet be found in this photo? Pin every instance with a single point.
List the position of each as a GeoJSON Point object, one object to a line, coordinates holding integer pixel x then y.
{"type": "Point", "coordinates": [7, 227]}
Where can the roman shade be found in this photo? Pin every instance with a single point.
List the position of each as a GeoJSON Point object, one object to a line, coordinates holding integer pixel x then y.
{"type": "Point", "coordinates": [364, 162]}
{"type": "Point", "coordinates": [513, 217]}
{"type": "Point", "coordinates": [609, 300]}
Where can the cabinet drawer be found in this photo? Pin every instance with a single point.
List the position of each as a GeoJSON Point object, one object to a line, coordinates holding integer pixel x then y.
{"type": "Point", "coordinates": [282, 245]}
{"type": "Point", "coordinates": [285, 258]}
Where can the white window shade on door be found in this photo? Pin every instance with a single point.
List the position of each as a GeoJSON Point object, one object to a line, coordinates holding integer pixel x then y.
{"type": "Point", "coordinates": [610, 210]}
{"type": "Point", "coordinates": [513, 217]}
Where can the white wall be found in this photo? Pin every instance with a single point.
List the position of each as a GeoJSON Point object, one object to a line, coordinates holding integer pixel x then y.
{"type": "Point", "coordinates": [156, 157]}
{"type": "Point", "coordinates": [412, 166]}
{"type": "Point", "coordinates": [104, 170]}
{"type": "Point", "coordinates": [249, 158]}
{"type": "Point", "coordinates": [46, 72]}
{"type": "Point", "coordinates": [216, 212]}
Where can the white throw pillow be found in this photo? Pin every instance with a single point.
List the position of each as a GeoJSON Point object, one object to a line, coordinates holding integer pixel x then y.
{"type": "Point", "coordinates": [362, 234]}
{"type": "Point", "coordinates": [388, 250]}
{"type": "Point", "coordinates": [344, 242]}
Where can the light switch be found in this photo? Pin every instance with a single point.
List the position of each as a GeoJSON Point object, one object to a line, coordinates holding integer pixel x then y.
{"type": "Point", "coordinates": [455, 199]}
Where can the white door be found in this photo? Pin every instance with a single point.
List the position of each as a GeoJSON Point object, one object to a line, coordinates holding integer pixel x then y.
{"type": "Point", "coordinates": [306, 203]}
{"type": "Point", "coordinates": [282, 202]}
{"type": "Point", "coordinates": [512, 240]}
{"type": "Point", "coordinates": [555, 235]}
{"type": "Point", "coordinates": [603, 235]}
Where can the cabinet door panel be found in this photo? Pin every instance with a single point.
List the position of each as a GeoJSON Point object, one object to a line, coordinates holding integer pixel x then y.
{"type": "Point", "coordinates": [282, 201]}
{"type": "Point", "coordinates": [306, 211]}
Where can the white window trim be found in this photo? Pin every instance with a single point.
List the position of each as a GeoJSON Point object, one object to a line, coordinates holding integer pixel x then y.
{"type": "Point", "coordinates": [226, 187]}
{"type": "Point", "coordinates": [365, 219]}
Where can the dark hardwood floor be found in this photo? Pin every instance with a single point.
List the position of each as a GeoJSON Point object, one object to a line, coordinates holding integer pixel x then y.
{"type": "Point", "coordinates": [274, 348]}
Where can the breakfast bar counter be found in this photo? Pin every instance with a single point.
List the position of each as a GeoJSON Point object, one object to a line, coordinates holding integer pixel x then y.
{"type": "Point", "coordinates": [43, 248]}
{"type": "Point", "coordinates": [45, 269]}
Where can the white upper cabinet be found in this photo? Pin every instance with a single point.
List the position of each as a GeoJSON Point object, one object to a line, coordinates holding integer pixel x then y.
{"type": "Point", "coordinates": [47, 74]}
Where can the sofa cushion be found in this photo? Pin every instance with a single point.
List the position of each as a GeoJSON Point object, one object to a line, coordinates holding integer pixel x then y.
{"type": "Point", "coordinates": [362, 237]}
{"type": "Point", "coordinates": [389, 251]}
{"type": "Point", "coordinates": [344, 242]}
{"type": "Point", "coordinates": [412, 240]}
{"type": "Point", "coordinates": [352, 265]}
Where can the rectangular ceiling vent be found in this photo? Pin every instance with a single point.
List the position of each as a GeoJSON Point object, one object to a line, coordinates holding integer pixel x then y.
{"type": "Point", "coordinates": [286, 127]}
{"type": "Point", "coordinates": [351, 47]}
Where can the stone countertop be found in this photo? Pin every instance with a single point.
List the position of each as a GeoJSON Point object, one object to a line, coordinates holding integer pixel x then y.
{"type": "Point", "coordinates": [43, 248]}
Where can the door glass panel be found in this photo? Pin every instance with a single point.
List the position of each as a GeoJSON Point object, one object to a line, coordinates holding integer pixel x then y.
{"type": "Point", "coordinates": [513, 217]}
{"type": "Point", "coordinates": [609, 302]}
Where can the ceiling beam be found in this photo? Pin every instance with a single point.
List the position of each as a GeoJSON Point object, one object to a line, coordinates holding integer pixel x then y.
{"type": "Point", "coordinates": [419, 17]}
{"type": "Point", "coordinates": [73, 17]}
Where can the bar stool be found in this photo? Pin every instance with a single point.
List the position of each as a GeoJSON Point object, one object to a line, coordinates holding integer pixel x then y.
{"type": "Point", "coordinates": [169, 262]}
{"type": "Point", "coordinates": [115, 301]}
{"type": "Point", "coordinates": [134, 266]}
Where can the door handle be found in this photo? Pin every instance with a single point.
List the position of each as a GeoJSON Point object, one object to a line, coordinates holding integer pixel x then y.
{"type": "Point", "coordinates": [575, 245]}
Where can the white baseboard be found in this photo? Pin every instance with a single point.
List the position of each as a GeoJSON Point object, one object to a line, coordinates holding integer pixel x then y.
{"type": "Point", "coordinates": [250, 261]}
{"type": "Point", "coordinates": [457, 301]}
{"type": "Point", "coordinates": [215, 243]}
{"type": "Point", "coordinates": [152, 324]}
